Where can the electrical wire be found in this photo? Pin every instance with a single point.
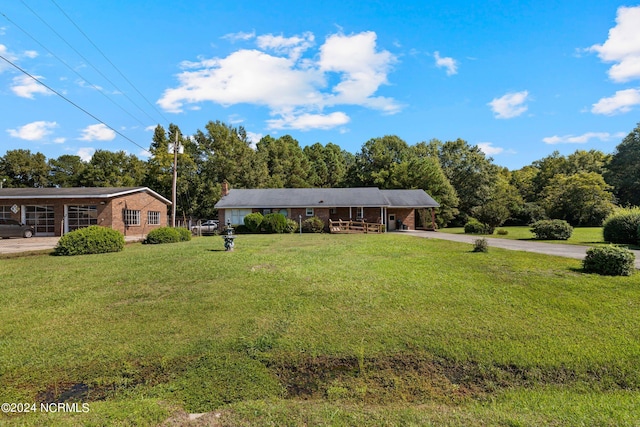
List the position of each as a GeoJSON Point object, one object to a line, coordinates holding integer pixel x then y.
{"type": "Point", "coordinates": [71, 102]}
{"type": "Point", "coordinates": [109, 61]}
{"type": "Point", "coordinates": [97, 88]}
{"type": "Point", "coordinates": [86, 60]}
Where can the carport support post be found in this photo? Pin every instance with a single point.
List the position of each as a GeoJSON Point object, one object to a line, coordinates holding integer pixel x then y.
{"type": "Point", "coordinates": [300, 224]}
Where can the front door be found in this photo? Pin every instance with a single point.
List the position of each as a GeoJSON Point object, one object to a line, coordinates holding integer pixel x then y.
{"type": "Point", "coordinates": [392, 222]}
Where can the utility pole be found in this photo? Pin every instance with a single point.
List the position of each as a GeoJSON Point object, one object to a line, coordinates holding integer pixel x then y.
{"type": "Point", "coordinates": [175, 181]}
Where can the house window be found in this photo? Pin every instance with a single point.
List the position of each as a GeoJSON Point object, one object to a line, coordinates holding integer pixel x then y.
{"type": "Point", "coordinates": [153, 218]}
{"type": "Point", "coordinates": [266, 211]}
{"type": "Point", "coordinates": [309, 211]}
{"type": "Point", "coordinates": [284, 212]}
{"type": "Point", "coordinates": [360, 213]}
{"type": "Point", "coordinates": [334, 211]}
{"type": "Point", "coordinates": [81, 216]}
{"type": "Point", "coordinates": [131, 217]}
{"type": "Point", "coordinates": [5, 212]}
{"type": "Point", "coordinates": [237, 215]}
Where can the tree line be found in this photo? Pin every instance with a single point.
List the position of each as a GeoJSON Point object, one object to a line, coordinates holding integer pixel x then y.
{"type": "Point", "coordinates": [581, 188]}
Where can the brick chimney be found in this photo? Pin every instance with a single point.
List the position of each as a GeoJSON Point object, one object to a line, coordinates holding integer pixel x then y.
{"type": "Point", "coordinates": [225, 188]}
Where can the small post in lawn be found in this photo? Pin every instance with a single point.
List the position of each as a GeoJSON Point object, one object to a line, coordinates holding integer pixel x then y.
{"type": "Point", "coordinates": [229, 237]}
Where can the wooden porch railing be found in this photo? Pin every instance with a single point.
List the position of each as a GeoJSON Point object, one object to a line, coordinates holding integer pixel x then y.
{"type": "Point", "coordinates": [341, 226]}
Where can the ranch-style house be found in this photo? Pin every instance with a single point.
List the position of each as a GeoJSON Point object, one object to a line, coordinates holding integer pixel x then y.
{"type": "Point", "coordinates": [394, 209]}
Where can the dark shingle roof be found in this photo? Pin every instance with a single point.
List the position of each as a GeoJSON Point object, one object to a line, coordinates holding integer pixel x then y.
{"type": "Point", "coordinates": [324, 197]}
{"type": "Point", "coordinates": [75, 192]}
{"type": "Point", "coordinates": [409, 198]}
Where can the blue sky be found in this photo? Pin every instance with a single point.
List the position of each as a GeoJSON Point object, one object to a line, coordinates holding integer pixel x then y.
{"type": "Point", "coordinates": [519, 79]}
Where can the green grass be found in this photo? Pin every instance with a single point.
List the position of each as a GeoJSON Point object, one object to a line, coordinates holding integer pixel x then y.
{"type": "Point", "coordinates": [587, 236]}
{"type": "Point", "coordinates": [320, 329]}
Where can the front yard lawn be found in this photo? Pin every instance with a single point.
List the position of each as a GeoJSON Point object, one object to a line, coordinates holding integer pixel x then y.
{"type": "Point", "coordinates": [319, 330]}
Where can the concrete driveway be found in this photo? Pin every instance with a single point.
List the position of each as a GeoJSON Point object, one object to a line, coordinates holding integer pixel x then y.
{"type": "Point", "coordinates": [567, 251]}
{"type": "Point", "coordinates": [16, 245]}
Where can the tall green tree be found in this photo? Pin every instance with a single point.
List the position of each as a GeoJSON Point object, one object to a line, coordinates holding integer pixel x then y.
{"type": "Point", "coordinates": [583, 198]}
{"type": "Point", "coordinates": [375, 163]}
{"type": "Point", "coordinates": [327, 165]}
{"type": "Point", "coordinates": [21, 168]}
{"type": "Point", "coordinates": [623, 172]}
{"type": "Point", "coordinates": [65, 171]}
{"type": "Point", "coordinates": [286, 162]}
{"type": "Point", "coordinates": [113, 169]}
{"type": "Point", "coordinates": [471, 173]}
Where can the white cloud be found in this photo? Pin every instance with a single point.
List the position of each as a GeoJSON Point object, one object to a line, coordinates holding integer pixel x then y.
{"type": "Point", "coordinates": [488, 148]}
{"type": "Point", "coordinates": [59, 140]}
{"type": "Point", "coordinates": [86, 153]}
{"type": "Point", "coordinates": [34, 131]}
{"type": "Point", "coordinates": [622, 46]}
{"type": "Point", "coordinates": [294, 88]}
{"type": "Point", "coordinates": [622, 102]}
{"type": "Point", "coordinates": [150, 128]}
{"type": "Point", "coordinates": [580, 139]}
{"type": "Point", "coordinates": [10, 56]}
{"type": "Point", "coordinates": [293, 47]}
{"type": "Point", "coordinates": [309, 121]}
{"type": "Point", "coordinates": [26, 87]}
{"type": "Point", "coordinates": [449, 63]}
{"type": "Point", "coordinates": [239, 36]}
{"type": "Point", "coordinates": [510, 105]}
{"type": "Point", "coordinates": [254, 138]}
{"type": "Point", "coordinates": [31, 54]}
{"type": "Point", "coordinates": [97, 132]}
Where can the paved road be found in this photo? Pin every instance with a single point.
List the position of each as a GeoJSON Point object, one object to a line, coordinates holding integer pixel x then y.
{"type": "Point", "coordinates": [11, 246]}
{"type": "Point", "coordinates": [568, 251]}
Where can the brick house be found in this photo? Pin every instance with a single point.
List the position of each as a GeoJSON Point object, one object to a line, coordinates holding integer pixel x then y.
{"type": "Point", "coordinates": [55, 211]}
{"type": "Point", "coordinates": [388, 207]}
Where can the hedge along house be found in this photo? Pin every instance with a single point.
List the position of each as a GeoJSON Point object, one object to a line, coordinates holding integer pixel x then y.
{"type": "Point", "coordinates": [55, 211]}
{"type": "Point", "coordinates": [392, 208]}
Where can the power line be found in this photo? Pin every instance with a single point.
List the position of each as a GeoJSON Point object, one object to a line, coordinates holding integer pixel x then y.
{"type": "Point", "coordinates": [109, 61]}
{"type": "Point", "coordinates": [97, 88]}
{"type": "Point", "coordinates": [72, 103]}
{"type": "Point", "coordinates": [85, 59]}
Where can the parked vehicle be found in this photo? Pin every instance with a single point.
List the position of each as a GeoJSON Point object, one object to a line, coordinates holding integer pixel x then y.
{"type": "Point", "coordinates": [206, 228]}
{"type": "Point", "coordinates": [12, 228]}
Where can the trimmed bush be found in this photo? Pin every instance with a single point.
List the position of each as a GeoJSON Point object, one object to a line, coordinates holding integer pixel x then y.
{"type": "Point", "coordinates": [164, 235]}
{"type": "Point", "coordinates": [253, 222]}
{"type": "Point", "coordinates": [90, 240]}
{"type": "Point", "coordinates": [609, 261]}
{"type": "Point", "coordinates": [502, 232]}
{"type": "Point", "coordinates": [621, 227]}
{"type": "Point", "coordinates": [473, 226]}
{"type": "Point", "coordinates": [274, 223]}
{"type": "Point", "coordinates": [552, 229]}
{"type": "Point", "coordinates": [480, 245]}
{"type": "Point", "coordinates": [313, 225]}
{"type": "Point", "coordinates": [292, 226]}
{"type": "Point", "coordinates": [185, 234]}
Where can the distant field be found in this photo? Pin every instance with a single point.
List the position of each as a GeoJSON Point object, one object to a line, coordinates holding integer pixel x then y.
{"type": "Point", "coordinates": [581, 235]}
{"type": "Point", "coordinates": [319, 330]}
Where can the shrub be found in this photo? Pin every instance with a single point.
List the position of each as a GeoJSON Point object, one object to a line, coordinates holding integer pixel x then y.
{"type": "Point", "coordinates": [609, 261]}
{"type": "Point", "coordinates": [90, 240]}
{"type": "Point", "coordinates": [253, 222]}
{"type": "Point", "coordinates": [552, 229]}
{"type": "Point", "coordinates": [475, 227]}
{"type": "Point", "coordinates": [622, 226]}
{"type": "Point", "coordinates": [274, 223]}
{"type": "Point", "coordinates": [185, 234]}
{"type": "Point", "coordinates": [480, 245]}
{"type": "Point", "coordinates": [292, 226]}
{"type": "Point", "coordinates": [163, 235]}
{"type": "Point", "coordinates": [502, 232]}
{"type": "Point", "coordinates": [313, 225]}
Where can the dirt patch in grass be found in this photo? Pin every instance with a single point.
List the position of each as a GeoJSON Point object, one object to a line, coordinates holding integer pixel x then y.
{"type": "Point", "coordinates": [415, 378]}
